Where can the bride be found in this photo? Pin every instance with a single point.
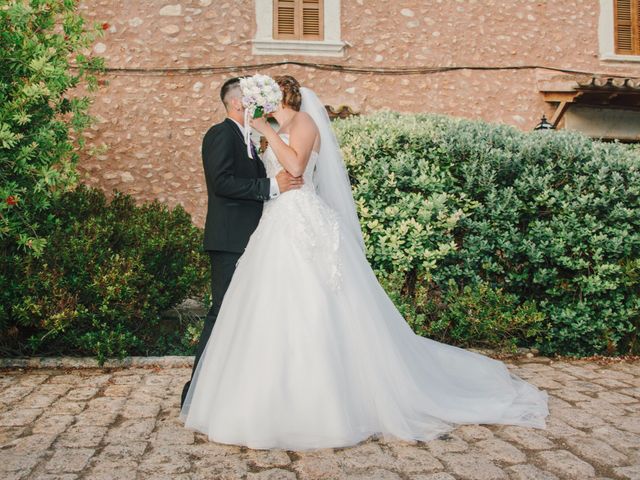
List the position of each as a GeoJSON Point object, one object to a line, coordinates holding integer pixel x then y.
{"type": "Point", "coordinates": [308, 351]}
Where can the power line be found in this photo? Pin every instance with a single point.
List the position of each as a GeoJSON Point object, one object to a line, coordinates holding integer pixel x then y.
{"type": "Point", "coordinates": [420, 70]}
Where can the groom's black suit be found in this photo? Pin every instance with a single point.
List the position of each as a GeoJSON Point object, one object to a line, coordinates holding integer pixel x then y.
{"type": "Point", "coordinates": [237, 187]}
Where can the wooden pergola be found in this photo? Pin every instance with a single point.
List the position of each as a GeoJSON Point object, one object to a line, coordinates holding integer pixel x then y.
{"type": "Point", "coordinates": [595, 91]}
{"type": "Point", "coordinates": [343, 111]}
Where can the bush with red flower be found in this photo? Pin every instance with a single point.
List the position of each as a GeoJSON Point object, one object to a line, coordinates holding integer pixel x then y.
{"type": "Point", "coordinates": [42, 115]}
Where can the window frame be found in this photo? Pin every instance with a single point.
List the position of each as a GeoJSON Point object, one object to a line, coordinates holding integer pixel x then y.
{"type": "Point", "coordinates": [298, 22]}
{"type": "Point", "coordinates": [607, 35]}
{"type": "Point", "coordinates": [265, 43]}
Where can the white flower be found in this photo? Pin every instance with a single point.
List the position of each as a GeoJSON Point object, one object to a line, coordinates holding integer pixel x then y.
{"type": "Point", "coordinates": [260, 91]}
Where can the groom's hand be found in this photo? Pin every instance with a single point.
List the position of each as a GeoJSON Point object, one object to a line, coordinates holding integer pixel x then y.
{"type": "Point", "coordinates": [287, 182]}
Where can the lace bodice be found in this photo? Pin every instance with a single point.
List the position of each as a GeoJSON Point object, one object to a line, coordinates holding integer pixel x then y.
{"type": "Point", "coordinates": [311, 226]}
{"type": "Point", "coordinates": [273, 166]}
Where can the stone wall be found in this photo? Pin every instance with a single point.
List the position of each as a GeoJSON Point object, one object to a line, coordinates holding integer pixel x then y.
{"type": "Point", "coordinates": [152, 123]}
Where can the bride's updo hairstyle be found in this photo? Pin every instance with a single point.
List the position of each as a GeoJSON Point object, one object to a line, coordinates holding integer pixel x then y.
{"type": "Point", "coordinates": [290, 87]}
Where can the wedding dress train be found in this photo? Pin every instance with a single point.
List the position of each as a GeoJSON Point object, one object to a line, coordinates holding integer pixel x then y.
{"type": "Point", "coordinates": [309, 352]}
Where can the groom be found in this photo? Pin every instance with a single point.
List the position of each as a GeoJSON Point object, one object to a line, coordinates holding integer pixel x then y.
{"type": "Point", "coordinates": [237, 186]}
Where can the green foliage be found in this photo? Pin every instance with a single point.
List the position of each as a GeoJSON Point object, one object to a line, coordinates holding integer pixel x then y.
{"type": "Point", "coordinates": [40, 40]}
{"type": "Point", "coordinates": [481, 316]}
{"type": "Point", "coordinates": [550, 220]}
{"type": "Point", "coordinates": [107, 272]}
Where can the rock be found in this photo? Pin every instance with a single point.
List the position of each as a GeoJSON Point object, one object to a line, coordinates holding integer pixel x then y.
{"type": "Point", "coordinates": [52, 424]}
{"type": "Point", "coordinates": [268, 458]}
{"type": "Point", "coordinates": [578, 418]}
{"type": "Point", "coordinates": [171, 10]}
{"type": "Point", "coordinates": [446, 444]}
{"type": "Point", "coordinates": [566, 465]}
{"type": "Point", "coordinates": [617, 438]}
{"type": "Point", "coordinates": [317, 467]}
{"type": "Point", "coordinates": [596, 451]}
{"type": "Point", "coordinates": [170, 29]}
{"type": "Point", "coordinates": [131, 430]}
{"type": "Point", "coordinates": [434, 476]}
{"type": "Point", "coordinates": [272, 474]}
{"type": "Point", "coordinates": [472, 466]}
{"type": "Point", "coordinates": [165, 460]}
{"type": "Point", "coordinates": [472, 433]}
{"type": "Point", "coordinates": [366, 455]}
{"type": "Point", "coordinates": [525, 438]}
{"type": "Point", "coordinates": [411, 459]}
{"type": "Point", "coordinates": [501, 451]}
{"type": "Point", "coordinates": [628, 473]}
{"type": "Point", "coordinates": [84, 435]}
{"type": "Point", "coordinates": [529, 472]}
{"type": "Point", "coordinates": [69, 459]}
{"type": "Point", "coordinates": [135, 410]}
{"type": "Point", "coordinates": [19, 417]}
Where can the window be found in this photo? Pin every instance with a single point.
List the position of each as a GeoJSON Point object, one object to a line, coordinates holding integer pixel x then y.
{"type": "Point", "coordinates": [627, 17]}
{"type": "Point", "coordinates": [298, 27]}
{"type": "Point", "coordinates": [297, 19]}
{"type": "Point", "coordinates": [619, 30]}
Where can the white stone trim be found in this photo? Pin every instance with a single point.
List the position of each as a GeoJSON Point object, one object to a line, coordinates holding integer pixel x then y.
{"type": "Point", "coordinates": [265, 44]}
{"type": "Point", "coordinates": [607, 38]}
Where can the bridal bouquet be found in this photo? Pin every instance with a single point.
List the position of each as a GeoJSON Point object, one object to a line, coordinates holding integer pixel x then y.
{"type": "Point", "coordinates": [260, 95]}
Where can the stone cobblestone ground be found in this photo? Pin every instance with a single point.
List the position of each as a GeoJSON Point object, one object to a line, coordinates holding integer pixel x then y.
{"type": "Point", "coordinates": [122, 423]}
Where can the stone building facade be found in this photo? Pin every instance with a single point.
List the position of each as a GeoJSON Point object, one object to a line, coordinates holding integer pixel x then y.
{"type": "Point", "coordinates": [167, 60]}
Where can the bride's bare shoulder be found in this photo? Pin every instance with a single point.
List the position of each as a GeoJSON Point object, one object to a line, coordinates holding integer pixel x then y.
{"type": "Point", "coordinates": [304, 121]}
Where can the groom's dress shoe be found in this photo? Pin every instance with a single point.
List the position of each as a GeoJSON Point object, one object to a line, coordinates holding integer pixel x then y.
{"type": "Point", "coordinates": [185, 389]}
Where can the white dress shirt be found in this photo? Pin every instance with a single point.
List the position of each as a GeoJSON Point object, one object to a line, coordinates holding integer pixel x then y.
{"type": "Point", "coordinates": [274, 190]}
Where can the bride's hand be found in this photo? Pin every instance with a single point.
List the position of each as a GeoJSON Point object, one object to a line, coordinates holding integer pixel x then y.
{"type": "Point", "coordinates": [260, 124]}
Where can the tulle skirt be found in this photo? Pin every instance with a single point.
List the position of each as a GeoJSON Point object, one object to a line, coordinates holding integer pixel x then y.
{"type": "Point", "coordinates": [309, 352]}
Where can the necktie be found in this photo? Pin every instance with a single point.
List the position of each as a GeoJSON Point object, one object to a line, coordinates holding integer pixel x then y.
{"type": "Point", "coordinates": [254, 152]}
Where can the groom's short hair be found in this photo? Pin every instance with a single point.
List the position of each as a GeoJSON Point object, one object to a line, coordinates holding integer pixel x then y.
{"type": "Point", "coordinates": [227, 86]}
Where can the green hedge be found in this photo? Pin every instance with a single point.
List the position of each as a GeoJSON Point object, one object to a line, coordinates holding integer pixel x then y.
{"type": "Point", "coordinates": [483, 235]}
{"type": "Point", "coordinates": [108, 270]}
{"type": "Point", "coordinates": [451, 207]}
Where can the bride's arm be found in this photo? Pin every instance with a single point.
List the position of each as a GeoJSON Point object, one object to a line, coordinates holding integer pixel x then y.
{"type": "Point", "coordinates": [295, 156]}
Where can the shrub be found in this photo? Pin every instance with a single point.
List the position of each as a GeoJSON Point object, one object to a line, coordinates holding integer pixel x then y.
{"type": "Point", "coordinates": [39, 116]}
{"type": "Point", "coordinates": [550, 219]}
{"type": "Point", "coordinates": [107, 272]}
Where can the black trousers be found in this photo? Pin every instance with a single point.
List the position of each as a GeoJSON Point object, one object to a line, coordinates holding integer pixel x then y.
{"type": "Point", "coordinates": [223, 265]}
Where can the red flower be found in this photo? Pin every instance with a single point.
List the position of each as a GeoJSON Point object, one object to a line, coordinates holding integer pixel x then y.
{"type": "Point", "coordinates": [105, 26]}
{"type": "Point", "coordinates": [11, 200]}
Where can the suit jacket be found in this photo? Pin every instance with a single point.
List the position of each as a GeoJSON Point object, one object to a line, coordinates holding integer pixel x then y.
{"type": "Point", "coordinates": [236, 186]}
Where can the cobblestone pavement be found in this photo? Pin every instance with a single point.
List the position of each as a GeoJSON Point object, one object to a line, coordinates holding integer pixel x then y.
{"type": "Point", "coordinates": [123, 424]}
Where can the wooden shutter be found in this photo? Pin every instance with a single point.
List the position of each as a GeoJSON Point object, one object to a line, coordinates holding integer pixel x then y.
{"type": "Point", "coordinates": [284, 19]}
{"type": "Point", "coordinates": [298, 20]}
{"type": "Point", "coordinates": [627, 23]}
{"type": "Point", "coordinates": [312, 28]}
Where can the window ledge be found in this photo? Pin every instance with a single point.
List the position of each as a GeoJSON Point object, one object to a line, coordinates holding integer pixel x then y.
{"type": "Point", "coordinates": [609, 57]}
{"type": "Point", "coordinates": [325, 48]}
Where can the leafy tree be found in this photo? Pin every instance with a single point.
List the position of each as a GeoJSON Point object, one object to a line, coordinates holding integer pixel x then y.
{"type": "Point", "coordinates": [43, 57]}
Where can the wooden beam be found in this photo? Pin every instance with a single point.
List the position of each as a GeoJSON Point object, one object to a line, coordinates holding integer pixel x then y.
{"type": "Point", "coordinates": [559, 113]}
{"type": "Point", "coordinates": [560, 96]}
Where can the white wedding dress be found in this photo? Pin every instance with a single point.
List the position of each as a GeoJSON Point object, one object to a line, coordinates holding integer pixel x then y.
{"type": "Point", "coordinates": [309, 352]}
